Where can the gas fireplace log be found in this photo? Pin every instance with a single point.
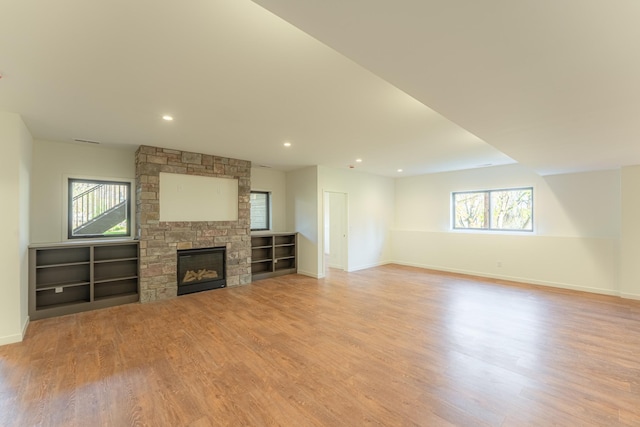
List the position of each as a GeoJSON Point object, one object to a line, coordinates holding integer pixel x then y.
{"type": "Point", "coordinates": [210, 274]}
{"type": "Point", "coordinates": [201, 274]}
{"type": "Point", "coordinates": [206, 274]}
{"type": "Point", "coordinates": [190, 276]}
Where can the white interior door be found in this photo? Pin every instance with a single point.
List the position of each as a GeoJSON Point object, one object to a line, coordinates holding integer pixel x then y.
{"type": "Point", "coordinates": [335, 227]}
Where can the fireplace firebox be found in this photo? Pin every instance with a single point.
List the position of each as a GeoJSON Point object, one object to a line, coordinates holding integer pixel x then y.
{"type": "Point", "coordinates": [201, 270]}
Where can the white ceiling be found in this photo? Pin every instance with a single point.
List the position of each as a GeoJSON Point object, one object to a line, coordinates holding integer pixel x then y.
{"type": "Point", "coordinates": [552, 85]}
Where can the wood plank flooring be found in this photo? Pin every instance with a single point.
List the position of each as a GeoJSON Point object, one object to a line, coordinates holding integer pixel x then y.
{"type": "Point", "coordinates": [392, 346]}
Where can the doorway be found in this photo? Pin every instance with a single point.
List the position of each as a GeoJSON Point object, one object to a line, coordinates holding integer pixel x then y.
{"type": "Point", "coordinates": [335, 231]}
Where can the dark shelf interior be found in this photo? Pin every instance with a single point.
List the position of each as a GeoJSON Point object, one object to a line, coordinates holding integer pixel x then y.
{"type": "Point", "coordinates": [49, 257]}
{"type": "Point", "coordinates": [262, 267]}
{"type": "Point", "coordinates": [289, 239]}
{"type": "Point", "coordinates": [285, 264]}
{"type": "Point", "coordinates": [115, 288]}
{"type": "Point", "coordinates": [62, 275]}
{"type": "Point", "coordinates": [285, 251]}
{"type": "Point", "coordinates": [71, 295]}
{"type": "Point", "coordinates": [113, 252]}
{"type": "Point", "coordinates": [115, 270]}
{"type": "Point", "coordinates": [261, 241]}
{"type": "Point", "coordinates": [261, 253]}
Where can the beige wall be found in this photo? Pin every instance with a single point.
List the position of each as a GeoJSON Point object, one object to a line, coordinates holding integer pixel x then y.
{"type": "Point", "coordinates": [574, 243]}
{"type": "Point", "coordinates": [275, 182]}
{"type": "Point", "coordinates": [303, 217]}
{"type": "Point", "coordinates": [370, 200]}
{"type": "Point", "coordinates": [630, 233]}
{"type": "Point", "coordinates": [15, 171]}
{"type": "Point", "coordinates": [52, 163]}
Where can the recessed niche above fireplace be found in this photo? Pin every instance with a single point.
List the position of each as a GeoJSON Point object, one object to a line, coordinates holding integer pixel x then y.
{"type": "Point", "coordinates": [197, 198]}
{"type": "Point", "coordinates": [201, 270]}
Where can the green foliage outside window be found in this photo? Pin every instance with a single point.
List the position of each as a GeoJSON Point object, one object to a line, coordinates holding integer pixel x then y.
{"type": "Point", "coordinates": [509, 209]}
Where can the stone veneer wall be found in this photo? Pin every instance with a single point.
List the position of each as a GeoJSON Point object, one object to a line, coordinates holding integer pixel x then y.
{"type": "Point", "coordinates": [160, 240]}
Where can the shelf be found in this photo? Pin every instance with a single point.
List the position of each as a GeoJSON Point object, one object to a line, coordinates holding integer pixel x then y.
{"type": "Point", "coordinates": [115, 270]}
{"type": "Point", "coordinates": [261, 241]}
{"type": "Point", "coordinates": [289, 239]}
{"type": "Point", "coordinates": [115, 288]}
{"type": "Point", "coordinates": [115, 260]}
{"type": "Point", "coordinates": [115, 252]}
{"type": "Point", "coordinates": [69, 296]}
{"type": "Point", "coordinates": [92, 275]}
{"type": "Point", "coordinates": [63, 265]}
{"type": "Point", "coordinates": [272, 255]}
{"type": "Point", "coordinates": [62, 256]}
{"type": "Point", "coordinates": [127, 295]}
{"type": "Point", "coordinates": [62, 304]}
{"type": "Point", "coordinates": [114, 279]}
{"type": "Point", "coordinates": [62, 275]}
{"type": "Point", "coordinates": [285, 251]}
{"type": "Point", "coordinates": [261, 268]}
{"type": "Point", "coordinates": [60, 285]}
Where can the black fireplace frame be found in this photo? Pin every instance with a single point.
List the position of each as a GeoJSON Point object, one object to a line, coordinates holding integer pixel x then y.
{"type": "Point", "coordinates": [204, 285]}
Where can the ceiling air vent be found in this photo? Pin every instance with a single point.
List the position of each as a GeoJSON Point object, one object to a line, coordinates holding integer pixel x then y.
{"type": "Point", "coordinates": [86, 140]}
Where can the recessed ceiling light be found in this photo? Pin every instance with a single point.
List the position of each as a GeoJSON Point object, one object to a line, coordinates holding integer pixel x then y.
{"type": "Point", "coordinates": [358, 160]}
{"type": "Point", "coordinates": [399, 170]}
{"type": "Point", "coordinates": [167, 117]}
{"type": "Point", "coordinates": [287, 144]}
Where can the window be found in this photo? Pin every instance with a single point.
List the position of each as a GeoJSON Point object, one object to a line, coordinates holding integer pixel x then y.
{"type": "Point", "coordinates": [509, 209]}
{"type": "Point", "coordinates": [260, 210]}
{"type": "Point", "coordinates": [99, 208]}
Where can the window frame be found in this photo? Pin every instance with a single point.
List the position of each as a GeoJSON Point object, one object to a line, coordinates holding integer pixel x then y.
{"type": "Point", "coordinates": [268, 210]}
{"type": "Point", "coordinates": [488, 210]}
{"type": "Point", "coordinates": [69, 206]}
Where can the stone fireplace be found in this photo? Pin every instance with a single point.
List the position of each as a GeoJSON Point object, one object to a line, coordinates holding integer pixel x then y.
{"type": "Point", "coordinates": [160, 241]}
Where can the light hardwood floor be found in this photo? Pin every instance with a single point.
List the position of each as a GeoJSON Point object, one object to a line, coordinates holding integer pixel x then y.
{"type": "Point", "coordinates": [388, 346]}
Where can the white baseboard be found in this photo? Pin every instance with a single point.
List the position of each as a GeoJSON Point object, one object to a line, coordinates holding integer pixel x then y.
{"type": "Point", "coordinates": [630, 296]}
{"type": "Point", "coordinates": [10, 339]}
{"type": "Point", "coordinates": [517, 279]}
{"type": "Point", "coordinates": [365, 266]}
{"type": "Point", "coordinates": [314, 275]}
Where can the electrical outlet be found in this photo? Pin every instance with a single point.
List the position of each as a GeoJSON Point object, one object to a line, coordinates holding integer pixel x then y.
{"type": "Point", "coordinates": [58, 289]}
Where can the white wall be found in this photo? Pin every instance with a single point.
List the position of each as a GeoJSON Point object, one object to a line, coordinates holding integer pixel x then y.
{"type": "Point", "coordinates": [303, 215]}
{"type": "Point", "coordinates": [574, 243]}
{"type": "Point", "coordinates": [275, 182]}
{"type": "Point", "coordinates": [15, 170]}
{"type": "Point", "coordinates": [370, 214]}
{"type": "Point", "coordinates": [51, 162]}
{"type": "Point", "coordinates": [630, 233]}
